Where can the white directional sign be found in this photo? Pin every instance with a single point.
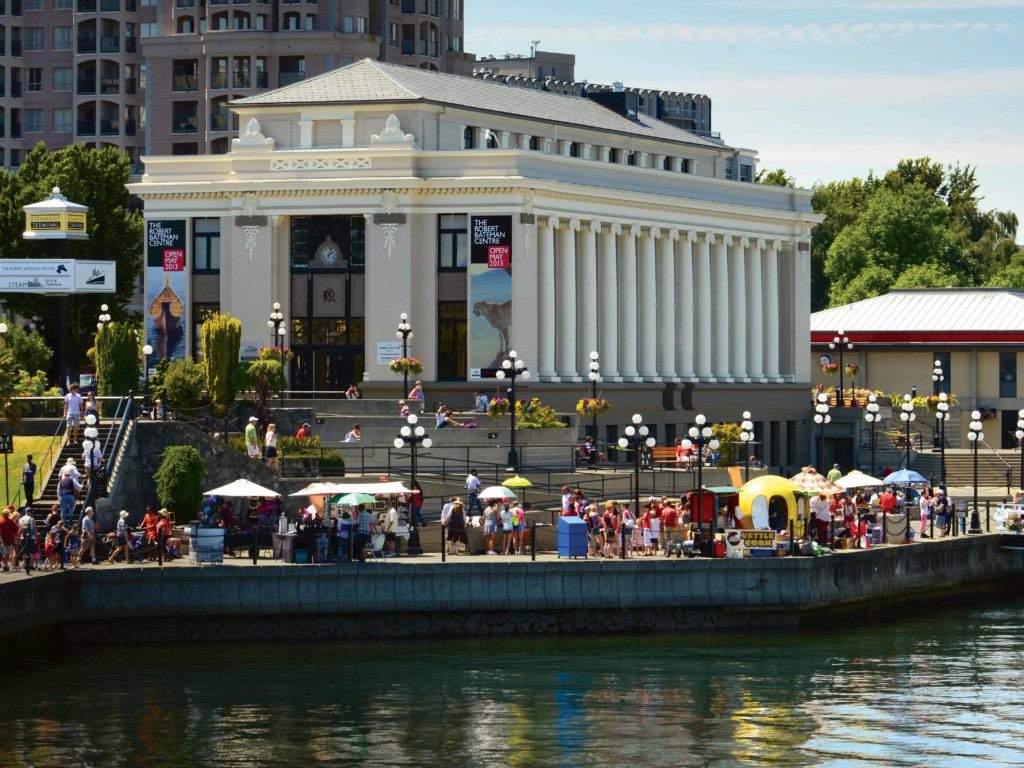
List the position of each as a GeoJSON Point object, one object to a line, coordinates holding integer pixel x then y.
{"type": "Point", "coordinates": [57, 276]}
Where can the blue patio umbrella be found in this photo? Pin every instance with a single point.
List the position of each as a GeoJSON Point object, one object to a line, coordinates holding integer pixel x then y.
{"type": "Point", "coordinates": [905, 477]}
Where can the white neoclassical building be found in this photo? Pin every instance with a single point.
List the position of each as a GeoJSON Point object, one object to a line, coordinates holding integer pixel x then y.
{"type": "Point", "coordinates": [497, 218]}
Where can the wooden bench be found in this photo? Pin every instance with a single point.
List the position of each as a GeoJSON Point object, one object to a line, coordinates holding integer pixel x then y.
{"type": "Point", "coordinates": [664, 454]}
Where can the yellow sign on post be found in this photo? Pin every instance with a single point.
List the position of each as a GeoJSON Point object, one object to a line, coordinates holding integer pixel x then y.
{"type": "Point", "coordinates": [55, 218]}
{"type": "Point", "coordinates": [55, 223]}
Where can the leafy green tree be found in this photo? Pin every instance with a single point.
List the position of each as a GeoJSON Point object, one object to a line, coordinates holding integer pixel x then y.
{"type": "Point", "coordinates": [95, 178]}
{"type": "Point", "coordinates": [776, 177]}
{"type": "Point", "coordinates": [30, 350]}
{"type": "Point", "coordinates": [266, 379]}
{"type": "Point", "coordinates": [221, 337]}
{"type": "Point", "coordinates": [927, 275]}
{"type": "Point", "coordinates": [118, 358]}
{"type": "Point", "coordinates": [842, 203]}
{"type": "Point", "coordinates": [1010, 276]}
{"type": "Point", "coordinates": [182, 383]}
{"type": "Point", "coordinates": [179, 481]}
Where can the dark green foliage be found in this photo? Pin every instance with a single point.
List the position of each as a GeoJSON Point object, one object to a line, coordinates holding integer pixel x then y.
{"type": "Point", "coordinates": [179, 481]}
{"type": "Point", "coordinates": [182, 384]}
{"type": "Point", "coordinates": [118, 358]}
{"type": "Point", "coordinates": [221, 337]}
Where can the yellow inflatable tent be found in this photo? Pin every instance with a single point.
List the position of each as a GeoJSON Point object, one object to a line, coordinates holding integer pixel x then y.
{"type": "Point", "coordinates": [763, 496]}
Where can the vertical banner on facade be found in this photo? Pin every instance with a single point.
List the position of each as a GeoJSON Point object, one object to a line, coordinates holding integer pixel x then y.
{"type": "Point", "coordinates": [489, 294]}
{"type": "Point", "coordinates": [166, 304]}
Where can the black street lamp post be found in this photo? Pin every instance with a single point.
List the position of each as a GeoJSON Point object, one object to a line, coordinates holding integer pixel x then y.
{"type": "Point", "coordinates": [512, 368]}
{"type": "Point", "coordinates": [938, 379]}
{"type": "Point", "coordinates": [975, 436]}
{"type": "Point", "coordinates": [821, 418]}
{"type": "Point", "coordinates": [746, 437]}
{"type": "Point", "coordinates": [907, 415]}
{"type": "Point", "coordinates": [842, 343]}
{"type": "Point", "coordinates": [275, 322]}
{"type": "Point", "coordinates": [595, 378]}
{"type": "Point", "coordinates": [701, 435]}
{"type": "Point", "coordinates": [1019, 434]}
{"type": "Point", "coordinates": [942, 416]}
{"type": "Point", "coordinates": [872, 417]}
{"type": "Point", "coordinates": [147, 350]}
{"type": "Point", "coordinates": [413, 435]}
{"type": "Point", "coordinates": [637, 436]}
{"type": "Point", "coordinates": [404, 333]}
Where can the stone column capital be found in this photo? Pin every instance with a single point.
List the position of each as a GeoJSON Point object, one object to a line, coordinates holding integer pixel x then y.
{"type": "Point", "coordinates": [574, 225]}
{"type": "Point", "coordinates": [744, 242]}
{"type": "Point", "coordinates": [655, 233]}
{"type": "Point", "coordinates": [594, 227]}
{"type": "Point", "coordinates": [615, 229]}
{"type": "Point", "coordinates": [549, 221]}
{"type": "Point", "coordinates": [761, 243]}
{"type": "Point", "coordinates": [674, 234]}
{"type": "Point", "coordinates": [634, 230]}
{"type": "Point", "coordinates": [691, 236]}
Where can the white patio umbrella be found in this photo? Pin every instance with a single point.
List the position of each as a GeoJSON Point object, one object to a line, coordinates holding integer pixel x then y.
{"type": "Point", "coordinates": [858, 479]}
{"type": "Point", "coordinates": [318, 489]}
{"type": "Point", "coordinates": [498, 492]}
{"type": "Point", "coordinates": [243, 488]}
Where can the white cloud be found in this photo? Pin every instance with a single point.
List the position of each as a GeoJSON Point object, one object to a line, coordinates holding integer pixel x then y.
{"type": "Point", "coordinates": [843, 32]}
{"type": "Point", "coordinates": [870, 5]}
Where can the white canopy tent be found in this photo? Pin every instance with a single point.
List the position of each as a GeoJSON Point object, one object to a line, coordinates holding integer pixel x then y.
{"type": "Point", "coordinates": [243, 488]}
{"type": "Point", "coordinates": [334, 489]}
{"type": "Point", "coordinates": [858, 479]}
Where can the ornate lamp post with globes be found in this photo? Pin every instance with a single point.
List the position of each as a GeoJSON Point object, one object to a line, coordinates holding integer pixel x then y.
{"type": "Point", "coordinates": [941, 417]}
{"type": "Point", "coordinates": [842, 343]}
{"type": "Point", "coordinates": [701, 435]}
{"type": "Point", "coordinates": [512, 368]}
{"type": "Point", "coordinates": [872, 417]}
{"type": "Point", "coordinates": [595, 378]}
{"type": "Point", "coordinates": [746, 437]}
{"type": "Point", "coordinates": [975, 436]}
{"type": "Point", "coordinates": [821, 418]}
{"type": "Point", "coordinates": [413, 435]}
{"type": "Point", "coordinates": [275, 322]}
{"type": "Point", "coordinates": [636, 437]}
{"type": "Point", "coordinates": [1019, 434]}
{"type": "Point", "coordinates": [404, 332]}
{"type": "Point", "coordinates": [147, 350]}
{"type": "Point", "coordinates": [907, 415]}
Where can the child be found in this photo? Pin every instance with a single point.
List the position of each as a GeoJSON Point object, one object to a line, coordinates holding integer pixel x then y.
{"type": "Point", "coordinates": [73, 545]}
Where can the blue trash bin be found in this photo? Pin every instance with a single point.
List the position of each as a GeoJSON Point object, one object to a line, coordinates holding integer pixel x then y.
{"type": "Point", "coordinates": [572, 537]}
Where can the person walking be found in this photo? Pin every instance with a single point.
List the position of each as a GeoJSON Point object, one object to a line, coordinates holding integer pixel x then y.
{"type": "Point", "coordinates": [925, 503]}
{"type": "Point", "coordinates": [8, 540]}
{"type": "Point", "coordinates": [835, 473]}
{"type": "Point", "coordinates": [27, 524]}
{"type": "Point", "coordinates": [67, 495]}
{"type": "Point", "coordinates": [121, 535]}
{"type": "Point", "coordinates": [941, 512]}
{"type": "Point", "coordinates": [252, 439]}
{"type": "Point", "coordinates": [270, 446]}
{"type": "Point", "coordinates": [417, 396]}
{"type": "Point", "coordinates": [473, 492]}
{"type": "Point", "coordinates": [456, 528]}
{"type": "Point", "coordinates": [89, 535]}
{"type": "Point", "coordinates": [821, 510]}
{"type": "Point", "coordinates": [28, 480]}
{"type": "Point", "coordinates": [72, 413]}
{"type": "Point", "coordinates": [490, 524]}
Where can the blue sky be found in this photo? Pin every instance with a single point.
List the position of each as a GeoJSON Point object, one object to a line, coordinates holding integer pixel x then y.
{"type": "Point", "coordinates": [825, 88]}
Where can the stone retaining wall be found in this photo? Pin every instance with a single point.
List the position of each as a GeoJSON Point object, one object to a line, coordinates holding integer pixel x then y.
{"type": "Point", "coordinates": [476, 597]}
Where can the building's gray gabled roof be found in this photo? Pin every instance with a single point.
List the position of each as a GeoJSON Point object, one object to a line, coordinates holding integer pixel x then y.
{"type": "Point", "coordinates": [368, 80]}
{"type": "Point", "coordinates": [961, 310]}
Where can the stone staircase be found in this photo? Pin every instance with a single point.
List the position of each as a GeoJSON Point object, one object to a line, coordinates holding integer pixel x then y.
{"type": "Point", "coordinates": [47, 494]}
{"type": "Point", "coordinates": [993, 466]}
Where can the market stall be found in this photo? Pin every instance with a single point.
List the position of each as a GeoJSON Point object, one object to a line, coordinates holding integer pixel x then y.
{"type": "Point", "coordinates": [768, 502]}
{"type": "Point", "coordinates": [207, 535]}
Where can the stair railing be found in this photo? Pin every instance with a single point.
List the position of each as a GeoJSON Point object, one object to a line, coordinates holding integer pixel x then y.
{"type": "Point", "coordinates": [123, 416]}
{"type": "Point", "coordinates": [49, 460]}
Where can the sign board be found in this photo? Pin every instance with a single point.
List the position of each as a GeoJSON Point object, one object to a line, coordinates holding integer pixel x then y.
{"type": "Point", "coordinates": [55, 225]}
{"type": "Point", "coordinates": [388, 351]}
{"type": "Point", "coordinates": [6, 442]}
{"type": "Point", "coordinates": [95, 276]}
{"type": "Point", "coordinates": [758, 538]}
{"type": "Point", "coordinates": [57, 276]}
{"type": "Point", "coordinates": [489, 296]}
{"type": "Point", "coordinates": [166, 295]}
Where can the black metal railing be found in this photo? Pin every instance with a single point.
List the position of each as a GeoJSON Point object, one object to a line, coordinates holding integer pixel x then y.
{"type": "Point", "coordinates": [86, 86]}
{"type": "Point", "coordinates": [86, 128]}
{"type": "Point", "coordinates": [87, 44]}
{"type": "Point", "coordinates": [124, 413]}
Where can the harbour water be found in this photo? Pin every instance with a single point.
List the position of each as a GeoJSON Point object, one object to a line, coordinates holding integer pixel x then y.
{"type": "Point", "coordinates": [941, 688]}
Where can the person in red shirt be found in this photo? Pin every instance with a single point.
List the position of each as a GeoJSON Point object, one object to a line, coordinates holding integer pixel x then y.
{"type": "Point", "coordinates": [149, 523]}
{"type": "Point", "coordinates": [669, 523]}
{"type": "Point", "coordinates": [8, 539]}
{"type": "Point", "coordinates": [304, 432]}
{"type": "Point", "coordinates": [887, 501]}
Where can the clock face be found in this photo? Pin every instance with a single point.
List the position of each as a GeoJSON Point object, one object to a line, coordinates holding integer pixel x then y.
{"type": "Point", "coordinates": [329, 256]}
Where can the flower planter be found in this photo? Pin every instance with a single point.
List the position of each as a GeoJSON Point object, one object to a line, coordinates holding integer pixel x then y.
{"type": "Point", "coordinates": [206, 545]}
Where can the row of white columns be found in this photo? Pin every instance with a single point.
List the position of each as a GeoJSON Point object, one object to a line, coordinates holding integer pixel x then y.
{"type": "Point", "coordinates": [659, 304]}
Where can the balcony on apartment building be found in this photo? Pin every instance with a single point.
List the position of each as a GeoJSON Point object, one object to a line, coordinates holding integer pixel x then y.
{"type": "Point", "coordinates": [87, 44]}
{"type": "Point", "coordinates": [262, 80]}
{"type": "Point", "coordinates": [185, 83]}
{"type": "Point", "coordinates": [110, 85]}
{"type": "Point", "coordinates": [15, 47]}
{"type": "Point", "coordinates": [86, 127]}
{"type": "Point", "coordinates": [130, 85]}
{"type": "Point", "coordinates": [184, 121]}
{"type": "Point", "coordinates": [218, 80]}
{"type": "Point", "coordinates": [86, 86]}
{"type": "Point", "coordinates": [110, 44]}
{"type": "Point", "coordinates": [15, 88]}
{"type": "Point", "coordinates": [241, 80]}
{"type": "Point", "coordinates": [3, 129]}
{"type": "Point", "coordinates": [15, 129]}
{"type": "Point", "coordinates": [219, 122]}
{"type": "Point", "coordinates": [129, 127]}
{"type": "Point", "coordinates": [109, 127]}
{"type": "Point", "coordinates": [110, 6]}
{"type": "Point", "coordinates": [184, 3]}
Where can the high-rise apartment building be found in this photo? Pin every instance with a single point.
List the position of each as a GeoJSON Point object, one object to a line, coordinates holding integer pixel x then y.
{"type": "Point", "coordinates": [155, 76]}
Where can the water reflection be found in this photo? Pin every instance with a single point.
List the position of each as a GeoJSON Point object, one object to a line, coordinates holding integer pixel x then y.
{"type": "Point", "coordinates": [939, 691]}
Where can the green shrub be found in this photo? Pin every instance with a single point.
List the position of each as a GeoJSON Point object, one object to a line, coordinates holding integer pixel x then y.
{"type": "Point", "coordinates": [533, 414]}
{"type": "Point", "coordinates": [266, 379]}
{"type": "Point", "coordinates": [221, 340]}
{"type": "Point", "coordinates": [182, 384]}
{"type": "Point", "coordinates": [179, 480]}
{"type": "Point", "coordinates": [30, 350]}
{"type": "Point", "coordinates": [118, 358]}
{"type": "Point", "coordinates": [729, 436]}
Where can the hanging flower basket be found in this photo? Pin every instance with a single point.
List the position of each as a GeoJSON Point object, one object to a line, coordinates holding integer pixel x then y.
{"type": "Point", "coordinates": [830, 369]}
{"type": "Point", "coordinates": [988, 414]}
{"type": "Point", "coordinates": [592, 406]}
{"type": "Point", "coordinates": [852, 369]}
{"type": "Point", "coordinates": [410, 365]}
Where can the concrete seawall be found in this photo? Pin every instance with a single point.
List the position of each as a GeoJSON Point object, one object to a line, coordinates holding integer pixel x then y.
{"type": "Point", "coordinates": [148, 604]}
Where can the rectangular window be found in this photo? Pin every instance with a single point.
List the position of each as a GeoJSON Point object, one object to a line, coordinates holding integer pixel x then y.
{"type": "Point", "coordinates": [395, 35]}
{"type": "Point", "coordinates": [34, 79]}
{"type": "Point", "coordinates": [62, 117]}
{"type": "Point", "coordinates": [33, 38]}
{"type": "Point", "coordinates": [451, 341]}
{"type": "Point", "coordinates": [206, 245]}
{"type": "Point", "coordinates": [1008, 374]}
{"type": "Point", "coordinates": [33, 5]}
{"type": "Point", "coordinates": [452, 243]}
{"type": "Point", "coordinates": [746, 173]}
{"type": "Point", "coordinates": [33, 120]}
{"type": "Point", "coordinates": [201, 312]}
{"type": "Point", "coordinates": [185, 148]}
{"type": "Point", "coordinates": [790, 443]}
{"type": "Point", "coordinates": [62, 38]}
{"type": "Point", "coordinates": [348, 24]}
{"type": "Point", "coordinates": [63, 5]}
{"type": "Point", "coordinates": [944, 361]}
{"type": "Point", "coordinates": [328, 243]}
{"type": "Point", "coordinates": [147, 29]}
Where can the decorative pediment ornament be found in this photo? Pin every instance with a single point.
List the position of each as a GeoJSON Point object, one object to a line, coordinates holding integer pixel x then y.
{"type": "Point", "coordinates": [388, 201]}
{"type": "Point", "coordinates": [250, 204]}
{"type": "Point", "coordinates": [390, 232]}
{"type": "Point", "coordinates": [393, 134]}
{"type": "Point", "coordinates": [252, 138]}
{"type": "Point", "coordinates": [250, 233]}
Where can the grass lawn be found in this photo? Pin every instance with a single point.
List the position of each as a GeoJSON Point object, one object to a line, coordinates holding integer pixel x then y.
{"type": "Point", "coordinates": [23, 446]}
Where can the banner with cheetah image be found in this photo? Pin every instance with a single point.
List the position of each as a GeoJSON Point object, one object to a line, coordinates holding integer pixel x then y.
{"type": "Point", "coordinates": [489, 294]}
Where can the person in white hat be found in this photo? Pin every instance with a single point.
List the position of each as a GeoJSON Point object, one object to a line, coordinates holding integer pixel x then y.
{"type": "Point", "coordinates": [69, 468]}
{"type": "Point", "coordinates": [252, 440]}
